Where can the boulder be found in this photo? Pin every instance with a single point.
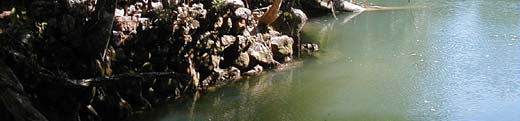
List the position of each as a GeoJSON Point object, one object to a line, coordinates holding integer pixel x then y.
{"type": "Point", "coordinates": [342, 5]}
{"type": "Point", "coordinates": [242, 62]}
{"type": "Point", "coordinates": [131, 90]}
{"type": "Point", "coordinates": [255, 71]}
{"type": "Point", "coordinates": [244, 42]}
{"type": "Point", "coordinates": [309, 49]}
{"type": "Point", "coordinates": [291, 22]}
{"type": "Point", "coordinates": [281, 47]}
{"type": "Point", "coordinates": [125, 29]}
{"type": "Point", "coordinates": [227, 40]}
{"type": "Point", "coordinates": [261, 53]}
{"type": "Point", "coordinates": [243, 13]}
{"type": "Point", "coordinates": [221, 75]}
{"type": "Point", "coordinates": [235, 3]}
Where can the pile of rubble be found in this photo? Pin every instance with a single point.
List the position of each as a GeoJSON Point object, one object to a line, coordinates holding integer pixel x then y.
{"type": "Point", "coordinates": [105, 60]}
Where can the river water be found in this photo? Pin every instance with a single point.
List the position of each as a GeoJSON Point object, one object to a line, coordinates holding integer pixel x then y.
{"type": "Point", "coordinates": [442, 60]}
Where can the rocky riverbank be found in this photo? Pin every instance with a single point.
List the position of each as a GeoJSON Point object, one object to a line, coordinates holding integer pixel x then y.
{"type": "Point", "coordinates": [105, 60]}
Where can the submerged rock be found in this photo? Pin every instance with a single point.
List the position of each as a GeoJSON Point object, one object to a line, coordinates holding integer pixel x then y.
{"type": "Point", "coordinates": [257, 70]}
{"type": "Point", "coordinates": [342, 5]}
{"type": "Point", "coordinates": [310, 49]}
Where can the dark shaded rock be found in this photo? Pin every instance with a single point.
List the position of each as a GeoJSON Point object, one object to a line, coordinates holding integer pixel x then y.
{"type": "Point", "coordinates": [89, 114]}
{"type": "Point", "coordinates": [244, 42]}
{"type": "Point", "coordinates": [291, 22]}
{"type": "Point", "coordinates": [309, 49]}
{"type": "Point", "coordinates": [317, 7]}
{"type": "Point", "coordinates": [255, 4]}
{"type": "Point", "coordinates": [163, 89]}
{"type": "Point", "coordinates": [131, 90]}
{"type": "Point", "coordinates": [241, 16]}
{"type": "Point", "coordinates": [231, 73]}
{"type": "Point", "coordinates": [219, 76]}
{"type": "Point", "coordinates": [242, 62]}
{"type": "Point", "coordinates": [227, 40]}
{"type": "Point", "coordinates": [110, 106]}
{"type": "Point", "coordinates": [125, 29]}
{"type": "Point", "coordinates": [13, 98]}
{"type": "Point", "coordinates": [210, 62]}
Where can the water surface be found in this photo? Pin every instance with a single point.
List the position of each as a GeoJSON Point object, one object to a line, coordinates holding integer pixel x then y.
{"type": "Point", "coordinates": [447, 60]}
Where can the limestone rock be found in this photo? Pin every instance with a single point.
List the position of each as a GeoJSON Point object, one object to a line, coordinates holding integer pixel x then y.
{"type": "Point", "coordinates": [291, 22]}
{"type": "Point", "coordinates": [281, 47]}
{"type": "Point", "coordinates": [261, 53]}
{"type": "Point", "coordinates": [309, 49]}
{"type": "Point", "coordinates": [227, 40]}
{"type": "Point", "coordinates": [342, 5]}
{"type": "Point", "coordinates": [242, 62]}
{"type": "Point", "coordinates": [242, 13]}
{"type": "Point", "coordinates": [125, 28]}
{"type": "Point", "coordinates": [235, 3]}
{"type": "Point", "coordinates": [255, 71]}
{"type": "Point", "coordinates": [221, 75]}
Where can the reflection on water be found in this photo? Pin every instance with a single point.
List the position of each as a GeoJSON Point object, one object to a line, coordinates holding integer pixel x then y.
{"type": "Point", "coordinates": [452, 60]}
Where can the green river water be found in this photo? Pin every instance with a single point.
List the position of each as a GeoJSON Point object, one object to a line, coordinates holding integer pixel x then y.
{"type": "Point", "coordinates": [456, 60]}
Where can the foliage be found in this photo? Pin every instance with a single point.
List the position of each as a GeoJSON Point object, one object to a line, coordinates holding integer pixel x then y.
{"type": "Point", "coordinates": [219, 4]}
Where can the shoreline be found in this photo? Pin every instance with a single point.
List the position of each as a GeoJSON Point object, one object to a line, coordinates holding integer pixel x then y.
{"type": "Point", "coordinates": [92, 61]}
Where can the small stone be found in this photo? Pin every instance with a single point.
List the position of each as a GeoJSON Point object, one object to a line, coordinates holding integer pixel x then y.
{"type": "Point", "coordinates": [119, 12]}
{"type": "Point", "coordinates": [227, 40]}
{"type": "Point", "coordinates": [347, 6]}
{"type": "Point", "coordinates": [309, 48]}
{"type": "Point", "coordinates": [255, 71]}
{"type": "Point", "coordinates": [157, 6]}
{"type": "Point", "coordinates": [232, 73]}
{"type": "Point", "coordinates": [235, 3]}
{"type": "Point", "coordinates": [243, 13]}
{"type": "Point", "coordinates": [215, 61]}
{"type": "Point", "coordinates": [243, 42]}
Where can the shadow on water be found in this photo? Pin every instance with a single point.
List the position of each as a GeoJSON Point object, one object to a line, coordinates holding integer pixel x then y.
{"type": "Point", "coordinates": [452, 60]}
